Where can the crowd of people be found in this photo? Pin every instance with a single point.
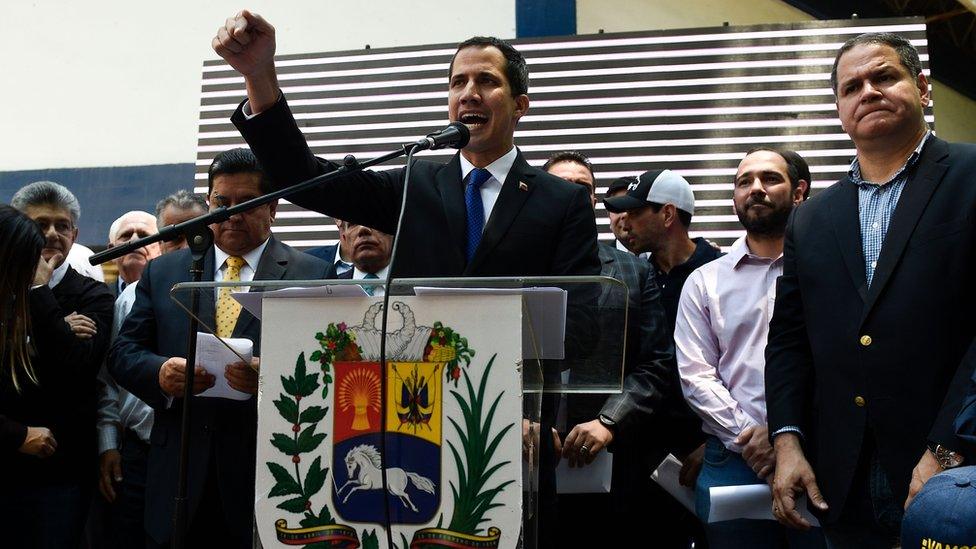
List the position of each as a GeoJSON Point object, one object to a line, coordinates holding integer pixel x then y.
{"type": "Point", "coordinates": [828, 354]}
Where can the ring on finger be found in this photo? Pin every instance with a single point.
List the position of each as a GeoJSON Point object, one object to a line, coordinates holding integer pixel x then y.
{"type": "Point", "coordinates": [584, 450]}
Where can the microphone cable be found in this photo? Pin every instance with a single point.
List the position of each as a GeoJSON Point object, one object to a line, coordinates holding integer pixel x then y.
{"type": "Point", "coordinates": [411, 149]}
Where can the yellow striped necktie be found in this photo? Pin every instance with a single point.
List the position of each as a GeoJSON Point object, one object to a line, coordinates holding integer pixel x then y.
{"type": "Point", "coordinates": [228, 309]}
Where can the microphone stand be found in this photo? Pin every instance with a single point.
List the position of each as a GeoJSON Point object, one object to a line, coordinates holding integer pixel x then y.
{"type": "Point", "coordinates": [200, 238]}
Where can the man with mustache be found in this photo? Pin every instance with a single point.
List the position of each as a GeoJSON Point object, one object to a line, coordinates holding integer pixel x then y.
{"type": "Point", "coordinates": [720, 334]}
{"type": "Point", "coordinates": [866, 362]}
{"type": "Point", "coordinates": [148, 359]}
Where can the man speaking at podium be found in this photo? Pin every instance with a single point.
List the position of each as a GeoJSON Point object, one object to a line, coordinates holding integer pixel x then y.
{"type": "Point", "coordinates": [500, 216]}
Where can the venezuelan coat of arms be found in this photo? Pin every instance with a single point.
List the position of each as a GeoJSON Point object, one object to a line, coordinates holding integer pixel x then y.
{"type": "Point", "coordinates": [445, 472]}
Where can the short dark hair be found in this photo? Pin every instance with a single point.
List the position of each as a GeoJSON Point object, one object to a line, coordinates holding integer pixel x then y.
{"type": "Point", "coordinates": [569, 156]}
{"type": "Point", "coordinates": [796, 166]}
{"type": "Point", "coordinates": [237, 160]}
{"type": "Point", "coordinates": [907, 53]}
{"type": "Point", "coordinates": [683, 217]}
{"type": "Point", "coordinates": [516, 70]}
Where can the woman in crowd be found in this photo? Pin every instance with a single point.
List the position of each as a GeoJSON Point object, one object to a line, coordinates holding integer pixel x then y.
{"type": "Point", "coordinates": [20, 259]}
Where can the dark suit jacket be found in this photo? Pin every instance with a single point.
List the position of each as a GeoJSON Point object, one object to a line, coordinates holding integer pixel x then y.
{"type": "Point", "coordinates": [63, 400]}
{"type": "Point", "coordinates": [545, 229]}
{"type": "Point", "coordinates": [327, 254]}
{"type": "Point", "coordinates": [223, 431]}
{"type": "Point", "coordinates": [918, 314]}
{"type": "Point", "coordinates": [648, 346]}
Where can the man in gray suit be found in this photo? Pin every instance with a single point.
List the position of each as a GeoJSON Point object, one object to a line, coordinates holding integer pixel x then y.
{"type": "Point", "coordinates": [149, 358]}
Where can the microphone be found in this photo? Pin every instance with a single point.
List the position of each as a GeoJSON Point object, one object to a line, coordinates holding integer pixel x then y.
{"type": "Point", "coordinates": [455, 135]}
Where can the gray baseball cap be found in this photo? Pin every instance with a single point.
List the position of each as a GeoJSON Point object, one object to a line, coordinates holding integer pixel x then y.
{"type": "Point", "coordinates": [657, 187]}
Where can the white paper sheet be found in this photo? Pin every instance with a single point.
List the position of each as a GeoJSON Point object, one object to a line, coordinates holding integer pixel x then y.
{"type": "Point", "coordinates": [214, 357]}
{"type": "Point", "coordinates": [666, 475]}
{"type": "Point", "coordinates": [753, 501]}
{"type": "Point", "coordinates": [546, 309]}
{"type": "Point", "coordinates": [252, 301]}
{"type": "Point", "coordinates": [591, 479]}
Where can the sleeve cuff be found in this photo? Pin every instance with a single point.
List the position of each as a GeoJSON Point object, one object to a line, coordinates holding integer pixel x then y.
{"type": "Point", "coordinates": [787, 429]}
{"type": "Point", "coordinates": [246, 107]}
{"type": "Point", "coordinates": [108, 438]}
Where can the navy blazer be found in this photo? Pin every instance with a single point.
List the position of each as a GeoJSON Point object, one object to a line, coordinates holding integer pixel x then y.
{"type": "Point", "coordinates": [223, 431]}
{"type": "Point", "coordinates": [843, 357]}
{"type": "Point", "coordinates": [327, 254]}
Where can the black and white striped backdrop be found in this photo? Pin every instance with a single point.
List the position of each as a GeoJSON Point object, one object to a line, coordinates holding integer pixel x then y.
{"type": "Point", "coordinates": [689, 100]}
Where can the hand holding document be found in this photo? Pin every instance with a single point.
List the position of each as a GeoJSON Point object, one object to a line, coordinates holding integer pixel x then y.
{"type": "Point", "coordinates": [214, 356]}
{"type": "Point", "coordinates": [751, 501]}
{"type": "Point", "coordinates": [667, 475]}
{"type": "Point", "coordinates": [590, 479]}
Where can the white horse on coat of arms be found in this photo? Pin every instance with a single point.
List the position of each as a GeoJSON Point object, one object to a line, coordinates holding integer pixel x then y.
{"type": "Point", "coordinates": [363, 471]}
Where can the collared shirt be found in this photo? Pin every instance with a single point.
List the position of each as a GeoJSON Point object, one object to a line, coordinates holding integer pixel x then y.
{"type": "Point", "coordinates": [119, 409]}
{"type": "Point", "coordinates": [381, 275]}
{"type": "Point", "coordinates": [251, 260]}
{"type": "Point", "coordinates": [720, 338]}
{"type": "Point", "coordinates": [58, 275]}
{"type": "Point", "coordinates": [78, 259]}
{"type": "Point", "coordinates": [671, 282]}
{"type": "Point", "coordinates": [341, 266]}
{"type": "Point", "coordinates": [876, 202]}
{"type": "Point", "coordinates": [490, 189]}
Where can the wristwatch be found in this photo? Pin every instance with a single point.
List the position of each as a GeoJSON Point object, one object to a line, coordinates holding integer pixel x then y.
{"type": "Point", "coordinates": [947, 458]}
{"type": "Point", "coordinates": [610, 424]}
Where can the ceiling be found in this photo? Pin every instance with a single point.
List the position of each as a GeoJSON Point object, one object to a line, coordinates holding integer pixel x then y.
{"type": "Point", "coordinates": [951, 31]}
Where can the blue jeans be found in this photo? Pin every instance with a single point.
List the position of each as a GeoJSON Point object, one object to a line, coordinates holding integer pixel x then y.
{"type": "Point", "coordinates": [723, 467]}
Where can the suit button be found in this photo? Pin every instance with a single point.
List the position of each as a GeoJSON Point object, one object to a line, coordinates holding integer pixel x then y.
{"type": "Point", "coordinates": [859, 400]}
{"type": "Point", "coordinates": [866, 340]}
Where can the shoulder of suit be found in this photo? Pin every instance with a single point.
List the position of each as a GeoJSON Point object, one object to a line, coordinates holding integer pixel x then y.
{"type": "Point", "coordinates": [75, 283]}
{"type": "Point", "coordinates": [302, 259]}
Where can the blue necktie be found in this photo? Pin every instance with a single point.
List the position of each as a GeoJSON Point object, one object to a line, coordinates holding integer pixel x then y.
{"type": "Point", "coordinates": [475, 208]}
{"type": "Point", "coordinates": [370, 290]}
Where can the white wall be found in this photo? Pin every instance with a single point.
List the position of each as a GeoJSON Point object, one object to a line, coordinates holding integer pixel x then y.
{"type": "Point", "coordinates": [117, 82]}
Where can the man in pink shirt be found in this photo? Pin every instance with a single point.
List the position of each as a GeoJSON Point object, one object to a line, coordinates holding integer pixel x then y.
{"type": "Point", "coordinates": [720, 334]}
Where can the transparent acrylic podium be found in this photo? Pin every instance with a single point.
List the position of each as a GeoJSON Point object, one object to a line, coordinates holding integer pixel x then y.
{"type": "Point", "coordinates": [455, 421]}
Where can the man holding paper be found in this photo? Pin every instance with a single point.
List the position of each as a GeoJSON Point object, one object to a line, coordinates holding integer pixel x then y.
{"type": "Point", "coordinates": [720, 334]}
{"type": "Point", "coordinates": [149, 357]}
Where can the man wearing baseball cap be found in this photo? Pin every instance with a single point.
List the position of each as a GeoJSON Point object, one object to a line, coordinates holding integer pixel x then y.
{"type": "Point", "coordinates": [655, 214]}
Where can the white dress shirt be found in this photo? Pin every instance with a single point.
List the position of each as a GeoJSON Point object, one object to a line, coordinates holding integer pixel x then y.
{"type": "Point", "coordinates": [381, 275]}
{"type": "Point", "coordinates": [57, 275]}
{"type": "Point", "coordinates": [490, 189]}
{"type": "Point", "coordinates": [251, 260]}
{"type": "Point", "coordinates": [78, 259]}
{"type": "Point", "coordinates": [720, 340]}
